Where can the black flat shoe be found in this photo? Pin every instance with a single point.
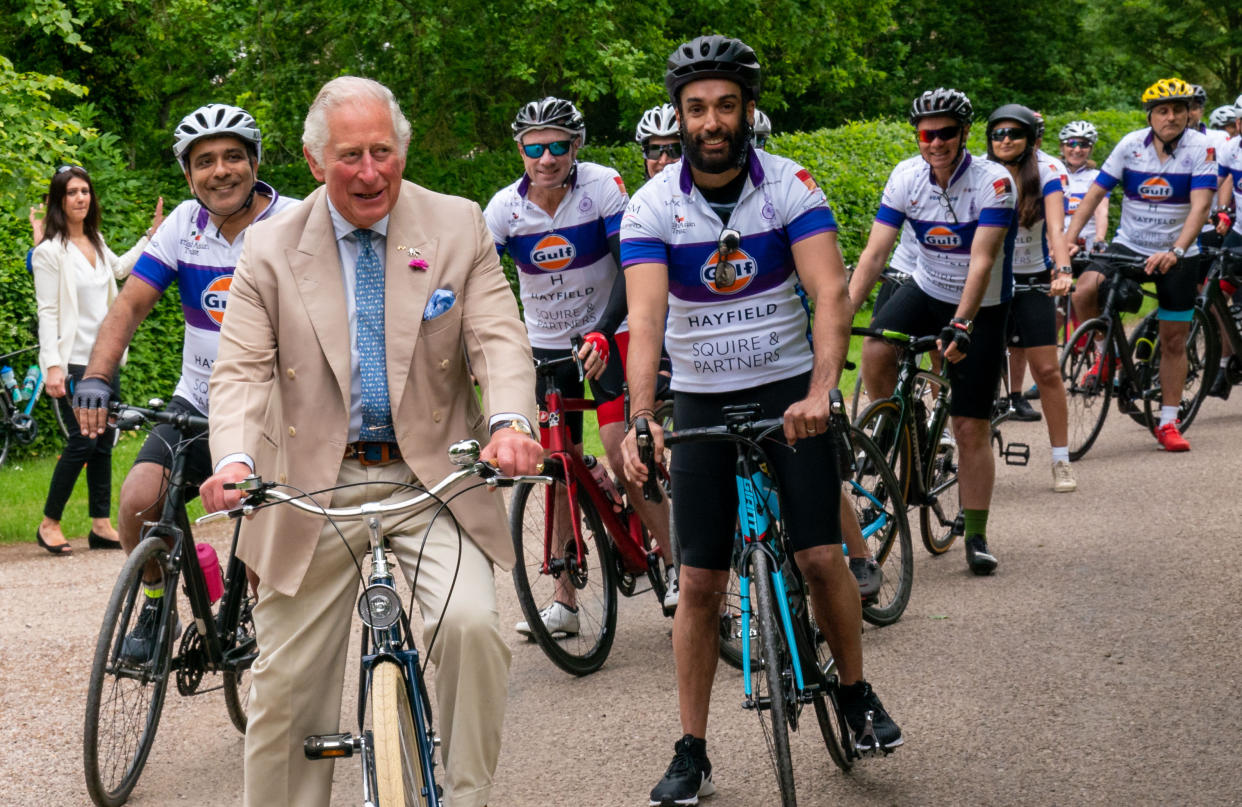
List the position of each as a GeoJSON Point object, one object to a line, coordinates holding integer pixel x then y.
{"type": "Point", "coordinates": [55, 549]}
{"type": "Point", "coordinates": [97, 541]}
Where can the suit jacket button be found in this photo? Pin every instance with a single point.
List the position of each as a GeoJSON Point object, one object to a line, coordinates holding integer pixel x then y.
{"type": "Point", "coordinates": [435, 415]}
{"type": "Point", "coordinates": [444, 364]}
{"type": "Point", "coordinates": [282, 479]}
{"type": "Point", "coordinates": [290, 371]}
{"type": "Point", "coordinates": [293, 432]}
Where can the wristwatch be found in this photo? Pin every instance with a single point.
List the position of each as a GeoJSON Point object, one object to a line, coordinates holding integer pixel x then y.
{"type": "Point", "coordinates": [1065, 270]}
{"type": "Point", "coordinates": [515, 424]}
{"type": "Point", "coordinates": [967, 325]}
{"type": "Point", "coordinates": [1178, 252]}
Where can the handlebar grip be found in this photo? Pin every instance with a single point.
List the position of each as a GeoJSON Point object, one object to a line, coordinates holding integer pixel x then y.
{"type": "Point", "coordinates": [646, 453]}
{"type": "Point", "coordinates": [839, 428]}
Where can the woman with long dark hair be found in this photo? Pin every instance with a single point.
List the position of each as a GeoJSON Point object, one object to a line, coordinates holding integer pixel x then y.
{"type": "Point", "coordinates": [1040, 255]}
{"type": "Point", "coordinates": [75, 278]}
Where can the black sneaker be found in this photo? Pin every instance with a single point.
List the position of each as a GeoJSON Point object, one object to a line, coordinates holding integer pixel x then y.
{"type": "Point", "coordinates": [689, 775]}
{"type": "Point", "coordinates": [1021, 410]}
{"type": "Point", "coordinates": [1032, 394]}
{"type": "Point", "coordinates": [867, 572]}
{"type": "Point", "coordinates": [1221, 386]}
{"type": "Point", "coordinates": [978, 558]}
{"type": "Point", "coordinates": [139, 643]}
{"type": "Point", "coordinates": [871, 727]}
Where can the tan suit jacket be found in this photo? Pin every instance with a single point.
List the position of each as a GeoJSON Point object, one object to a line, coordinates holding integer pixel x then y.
{"type": "Point", "coordinates": [280, 385]}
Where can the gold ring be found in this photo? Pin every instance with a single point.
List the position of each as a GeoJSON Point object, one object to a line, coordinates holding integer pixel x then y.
{"type": "Point", "coordinates": [811, 430]}
{"type": "Point", "coordinates": [539, 467]}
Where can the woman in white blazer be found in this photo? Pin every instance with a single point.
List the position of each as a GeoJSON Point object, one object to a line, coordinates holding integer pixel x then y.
{"type": "Point", "coordinates": [75, 278]}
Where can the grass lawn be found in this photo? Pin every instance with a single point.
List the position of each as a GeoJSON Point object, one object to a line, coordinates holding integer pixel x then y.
{"type": "Point", "coordinates": [24, 484]}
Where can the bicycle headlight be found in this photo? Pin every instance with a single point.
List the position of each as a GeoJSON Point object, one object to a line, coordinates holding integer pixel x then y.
{"type": "Point", "coordinates": [379, 606]}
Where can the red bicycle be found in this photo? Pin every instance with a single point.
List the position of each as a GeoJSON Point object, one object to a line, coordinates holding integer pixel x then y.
{"type": "Point", "coordinates": [578, 544]}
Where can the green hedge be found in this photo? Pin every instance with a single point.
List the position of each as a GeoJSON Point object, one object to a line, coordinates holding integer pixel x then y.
{"type": "Point", "coordinates": [851, 163]}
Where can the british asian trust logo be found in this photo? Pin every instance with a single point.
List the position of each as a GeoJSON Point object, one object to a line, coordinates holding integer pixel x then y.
{"type": "Point", "coordinates": [1155, 189]}
{"type": "Point", "coordinates": [745, 269]}
{"type": "Point", "coordinates": [215, 297]}
{"type": "Point", "coordinates": [553, 253]}
{"type": "Point", "coordinates": [941, 237]}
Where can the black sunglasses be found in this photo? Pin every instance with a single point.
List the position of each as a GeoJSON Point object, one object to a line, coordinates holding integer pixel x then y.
{"type": "Point", "coordinates": [945, 133]}
{"type": "Point", "coordinates": [1010, 132]}
{"type": "Point", "coordinates": [559, 148]}
{"type": "Point", "coordinates": [673, 150]}
{"type": "Point", "coordinates": [1077, 144]}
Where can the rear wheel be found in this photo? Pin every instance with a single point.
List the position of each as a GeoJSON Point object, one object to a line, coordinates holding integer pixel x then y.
{"type": "Point", "coordinates": [820, 676]}
{"type": "Point", "coordinates": [581, 646]}
{"type": "Point", "coordinates": [773, 690]}
{"type": "Point", "coordinates": [125, 697]}
{"type": "Point", "coordinates": [731, 619]}
{"type": "Point", "coordinates": [1202, 364]}
{"type": "Point", "coordinates": [1086, 397]}
{"type": "Point", "coordinates": [240, 655]}
{"type": "Point", "coordinates": [881, 421]}
{"type": "Point", "coordinates": [938, 516]}
{"type": "Point", "coordinates": [876, 502]}
{"type": "Point", "coordinates": [398, 769]}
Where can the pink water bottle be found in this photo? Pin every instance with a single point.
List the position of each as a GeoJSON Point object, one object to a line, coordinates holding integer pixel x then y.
{"type": "Point", "coordinates": [211, 570]}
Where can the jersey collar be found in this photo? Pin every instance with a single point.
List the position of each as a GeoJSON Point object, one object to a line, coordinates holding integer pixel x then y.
{"type": "Point", "coordinates": [961, 169]}
{"type": "Point", "coordinates": [753, 167]}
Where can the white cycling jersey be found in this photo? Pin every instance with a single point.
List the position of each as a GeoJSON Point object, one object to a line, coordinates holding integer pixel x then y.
{"type": "Point", "coordinates": [1231, 171]}
{"type": "Point", "coordinates": [565, 270]}
{"type": "Point", "coordinates": [980, 194]}
{"type": "Point", "coordinates": [1030, 247]}
{"type": "Point", "coordinates": [1079, 182]}
{"type": "Point", "coordinates": [1157, 194]}
{"type": "Point", "coordinates": [189, 249]}
{"type": "Point", "coordinates": [1219, 141]}
{"type": "Point", "coordinates": [755, 330]}
{"type": "Point", "coordinates": [905, 257]}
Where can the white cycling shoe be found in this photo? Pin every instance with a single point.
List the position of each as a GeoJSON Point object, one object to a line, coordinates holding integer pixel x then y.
{"type": "Point", "coordinates": [557, 618]}
{"type": "Point", "coordinates": [672, 590]}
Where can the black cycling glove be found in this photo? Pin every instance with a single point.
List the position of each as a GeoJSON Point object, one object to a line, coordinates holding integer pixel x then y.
{"type": "Point", "coordinates": [954, 334]}
{"type": "Point", "coordinates": [92, 393]}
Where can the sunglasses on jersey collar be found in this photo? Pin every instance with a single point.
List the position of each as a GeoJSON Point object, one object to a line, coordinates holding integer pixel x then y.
{"type": "Point", "coordinates": [1077, 144]}
{"type": "Point", "coordinates": [673, 150]}
{"type": "Point", "coordinates": [1007, 133]}
{"type": "Point", "coordinates": [761, 141]}
{"type": "Point", "coordinates": [559, 148]}
{"type": "Point", "coordinates": [945, 133]}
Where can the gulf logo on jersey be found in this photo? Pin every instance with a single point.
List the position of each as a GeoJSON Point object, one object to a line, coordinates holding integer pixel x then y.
{"type": "Point", "coordinates": [1155, 189]}
{"type": "Point", "coordinates": [942, 238]}
{"type": "Point", "coordinates": [215, 297]}
{"type": "Point", "coordinates": [553, 253]}
{"type": "Point", "coordinates": [744, 271]}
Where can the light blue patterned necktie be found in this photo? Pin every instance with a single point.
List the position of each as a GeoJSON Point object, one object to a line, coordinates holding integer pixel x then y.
{"type": "Point", "coordinates": [369, 305]}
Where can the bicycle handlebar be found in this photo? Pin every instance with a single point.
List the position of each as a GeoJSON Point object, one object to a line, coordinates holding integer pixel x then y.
{"type": "Point", "coordinates": [1082, 259]}
{"type": "Point", "coordinates": [915, 344]}
{"type": "Point", "coordinates": [130, 417]}
{"type": "Point", "coordinates": [464, 453]}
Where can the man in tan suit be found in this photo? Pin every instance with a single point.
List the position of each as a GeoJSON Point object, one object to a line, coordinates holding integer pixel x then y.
{"type": "Point", "coordinates": [297, 392]}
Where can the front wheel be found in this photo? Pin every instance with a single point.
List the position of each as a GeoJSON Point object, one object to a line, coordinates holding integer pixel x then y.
{"type": "Point", "coordinates": [240, 655]}
{"type": "Point", "coordinates": [398, 765]}
{"type": "Point", "coordinates": [938, 516]}
{"type": "Point", "coordinates": [575, 576]}
{"type": "Point", "coordinates": [1086, 394]}
{"type": "Point", "coordinates": [874, 499]}
{"type": "Point", "coordinates": [125, 696]}
{"type": "Point", "coordinates": [1202, 364]}
{"type": "Point", "coordinates": [773, 685]}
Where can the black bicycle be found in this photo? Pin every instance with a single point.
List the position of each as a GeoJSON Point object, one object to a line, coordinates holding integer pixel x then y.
{"type": "Point", "coordinates": [1127, 368]}
{"type": "Point", "coordinates": [18, 425]}
{"type": "Point", "coordinates": [1223, 278]}
{"type": "Point", "coordinates": [125, 695]}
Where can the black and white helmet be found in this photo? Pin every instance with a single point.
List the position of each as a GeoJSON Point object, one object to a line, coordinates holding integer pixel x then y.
{"type": "Point", "coordinates": [713, 56]}
{"type": "Point", "coordinates": [1079, 128]}
{"type": "Point", "coordinates": [763, 124]}
{"type": "Point", "coordinates": [942, 101]}
{"type": "Point", "coordinates": [213, 120]}
{"type": "Point", "coordinates": [1222, 116]}
{"type": "Point", "coordinates": [550, 113]}
{"type": "Point", "coordinates": [659, 121]}
{"type": "Point", "coordinates": [1200, 95]}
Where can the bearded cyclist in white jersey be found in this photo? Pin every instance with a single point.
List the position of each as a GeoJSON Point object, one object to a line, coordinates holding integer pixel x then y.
{"type": "Point", "coordinates": [218, 147]}
{"type": "Point", "coordinates": [735, 338]}
{"type": "Point", "coordinates": [1168, 173]}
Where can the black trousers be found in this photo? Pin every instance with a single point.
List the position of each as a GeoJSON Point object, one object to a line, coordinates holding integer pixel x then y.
{"type": "Point", "coordinates": [95, 454]}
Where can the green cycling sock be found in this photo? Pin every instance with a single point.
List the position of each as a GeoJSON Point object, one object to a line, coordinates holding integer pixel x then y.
{"type": "Point", "coordinates": [976, 523]}
{"type": "Point", "coordinates": [153, 592]}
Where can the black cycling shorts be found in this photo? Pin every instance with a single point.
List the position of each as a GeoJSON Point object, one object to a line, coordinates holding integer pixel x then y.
{"type": "Point", "coordinates": [974, 379]}
{"type": "Point", "coordinates": [1176, 289]}
{"type": "Point", "coordinates": [1033, 314]}
{"type": "Point", "coordinates": [704, 477]}
{"type": "Point", "coordinates": [164, 438]}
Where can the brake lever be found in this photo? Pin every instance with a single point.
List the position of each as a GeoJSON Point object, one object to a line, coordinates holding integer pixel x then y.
{"type": "Point", "coordinates": [646, 454]}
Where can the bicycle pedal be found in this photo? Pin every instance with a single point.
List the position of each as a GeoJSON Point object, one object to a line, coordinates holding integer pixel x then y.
{"type": "Point", "coordinates": [866, 743]}
{"type": "Point", "coordinates": [1017, 454]}
{"type": "Point", "coordinates": [331, 746]}
{"type": "Point", "coordinates": [959, 525]}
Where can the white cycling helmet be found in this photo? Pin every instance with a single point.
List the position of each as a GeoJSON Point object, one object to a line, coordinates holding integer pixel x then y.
{"type": "Point", "coordinates": [763, 125]}
{"type": "Point", "coordinates": [1222, 116]}
{"type": "Point", "coordinates": [212, 120]}
{"type": "Point", "coordinates": [659, 121]}
{"type": "Point", "coordinates": [1079, 128]}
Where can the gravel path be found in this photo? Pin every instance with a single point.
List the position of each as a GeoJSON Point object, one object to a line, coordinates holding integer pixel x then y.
{"type": "Point", "coordinates": [1098, 666]}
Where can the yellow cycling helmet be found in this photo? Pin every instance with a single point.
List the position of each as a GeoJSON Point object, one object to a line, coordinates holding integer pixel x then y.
{"type": "Point", "coordinates": [1166, 90]}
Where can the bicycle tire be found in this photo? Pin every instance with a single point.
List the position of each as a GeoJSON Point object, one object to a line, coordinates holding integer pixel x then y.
{"type": "Point", "coordinates": [584, 652]}
{"type": "Point", "coordinates": [60, 420]}
{"type": "Point", "coordinates": [881, 421]}
{"type": "Point", "coordinates": [1202, 364]}
{"type": "Point", "coordinates": [775, 678]}
{"type": "Point", "coordinates": [939, 479]}
{"type": "Point", "coordinates": [398, 768]}
{"type": "Point", "coordinates": [876, 499]}
{"type": "Point", "coordinates": [730, 631]}
{"type": "Point", "coordinates": [120, 692]}
{"type": "Point", "coordinates": [819, 673]}
{"type": "Point", "coordinates": [5, 437]}
{"type": "Point", "coordinates": [1143, 345]}
{"type": "Point", "coordinates": [237, 680]}
{"type": "Point", "coordinates": [1086, 399]}
{"type": "Point", "coordinates": [861, 399]}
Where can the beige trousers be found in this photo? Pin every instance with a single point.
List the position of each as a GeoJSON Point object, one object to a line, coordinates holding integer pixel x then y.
{"type": "Point", "coordinates": [298, 675]}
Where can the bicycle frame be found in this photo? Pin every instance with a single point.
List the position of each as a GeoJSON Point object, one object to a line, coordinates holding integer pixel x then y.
{"type": "Point", "coordinates": [1212, 299]}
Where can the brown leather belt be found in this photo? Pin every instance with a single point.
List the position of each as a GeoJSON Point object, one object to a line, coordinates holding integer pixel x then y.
{"type": "Point", "coordinates": [372, 453]}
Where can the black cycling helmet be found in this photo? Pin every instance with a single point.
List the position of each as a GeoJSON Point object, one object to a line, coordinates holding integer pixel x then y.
{"type": "Point", "coordinates": [550, 113]}
{"type": "Point", "coordinates": [1021, 115]}
{"type": "Point", "coordinates": [713, 56]}
{"type": "Point", "coordinates": [942, 101]}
